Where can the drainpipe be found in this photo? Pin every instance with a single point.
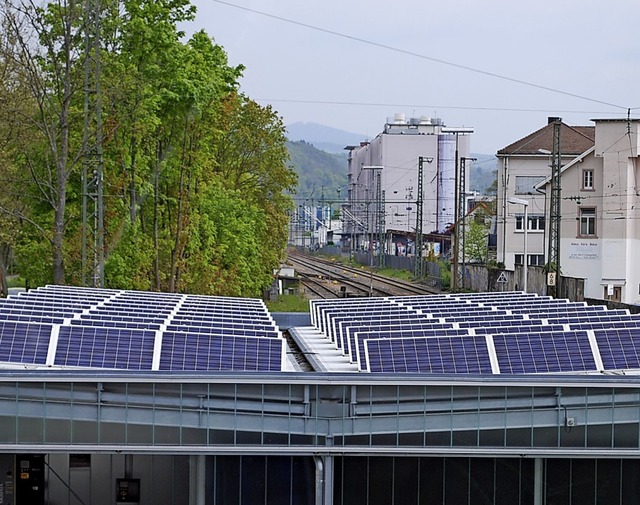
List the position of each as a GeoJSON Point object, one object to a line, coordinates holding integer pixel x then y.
{"type": "Point", "coordinates": [319, 480]}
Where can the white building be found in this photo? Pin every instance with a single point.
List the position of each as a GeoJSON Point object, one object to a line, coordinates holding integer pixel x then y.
{"type": "Point", "coordinates": [392, 158]}
{"type": "Point", "coordinates": [599, 230]}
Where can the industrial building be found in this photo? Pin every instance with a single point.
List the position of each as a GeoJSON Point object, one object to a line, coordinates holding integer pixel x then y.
{"type": "Point", "coordinates": [404, 182]}
{"type": "Point", "coordinates": [114, 396]}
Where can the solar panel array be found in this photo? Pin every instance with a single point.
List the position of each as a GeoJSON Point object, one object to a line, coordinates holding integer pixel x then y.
{"type": "Point", "coordinates": [87, 328]}
{"type": "Point", "coordinates": [480, 333]}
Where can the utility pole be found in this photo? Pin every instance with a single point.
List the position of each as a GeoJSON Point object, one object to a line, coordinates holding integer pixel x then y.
{"type": "Point", "coordinates": [553, 260]}
{"type": "Point", "coordinates": [382, 230]}
{"type": "Point", "coordinates": [461, 224]}
{"type": "Point", "coordinates": [418, 271]}
{"type": "Point", "coordinates": [92, 167]}
{"type": "Point", "coordinates": [378, 217]}
{"type": "Point", "coordinates": [456, 225]}
{"type": "Point", "coordinates": [457, 207]}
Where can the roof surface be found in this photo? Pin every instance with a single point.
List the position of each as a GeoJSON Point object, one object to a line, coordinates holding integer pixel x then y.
{"type": "Point", "coordinates": [574, 140]}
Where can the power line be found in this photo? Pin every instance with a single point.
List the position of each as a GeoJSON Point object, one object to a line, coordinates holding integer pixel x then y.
{"type": "Point", "coordinates": [422, 56]}
{"type": "Point", "coordinates": [435, 107]}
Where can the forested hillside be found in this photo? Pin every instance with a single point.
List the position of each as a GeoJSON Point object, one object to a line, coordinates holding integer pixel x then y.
{"type": "Point", "coordinates": [483, 173]}
{"type": "Point", "coordinates": [183, 180]}
{"type": "Point", "coordinates": [318, 171]}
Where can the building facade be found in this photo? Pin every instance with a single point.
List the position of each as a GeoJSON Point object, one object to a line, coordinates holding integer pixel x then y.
{"type": "Point", "coordinates": [384, 185]}
{"type": "Point", "coordinates": [599, 230]}
{"type": "Point", "coordinates": [317, 439]}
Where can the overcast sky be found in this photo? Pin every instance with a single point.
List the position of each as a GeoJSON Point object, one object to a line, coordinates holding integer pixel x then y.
{"type": "Point", "coordinates": [351, 64]}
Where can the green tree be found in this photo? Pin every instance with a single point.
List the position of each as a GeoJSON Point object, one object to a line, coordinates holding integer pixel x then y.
{"type": "Point", "coordinates": [46, 45]}
{"type": "Point", "coordinates": [251, 156]}
{"type": "Point", "coordinates": [176, 135]}
{"type": "Point", "coordinates": [476, 245]}
{"type": "Point", "coordinates": [225, 256]}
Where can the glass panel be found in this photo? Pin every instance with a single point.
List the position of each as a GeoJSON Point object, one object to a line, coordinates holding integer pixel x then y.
{"type": "Point", "coordinates": [514, 481]}
{"type": "Point", "coordinates": [227, 488]}
{"type": "Point", "coordinates": [7, 430]}
{"type": "Point", "coordinates": [630, 481]}
{"type": "Point", "coordinates": [380, 480]}
{"type": "Point", "coordinates": [406, 474]}
{"type": "Point", "coordinates": [57, 431]}
{"type": "Point", "coordinates": [353, 481]}
{"type": "Point", "coordinates": [303, 481]}
{"type": "Point", "coordinates": [253, 479]}
{"type": "Point", "coordinates": [456, 486]}
{"type": "Point", "coordinates": [625, 435]}
{"type": "Point", "coordinates": [558, 481]}
{"type": "Point", "coordinates": [30, 431]}
{"type": "Point", "coordinates": [481, 488]}
{"type": "Point", "coordinates": [608, 481]}
{"type": "Point", "coordinates": [431, 480]}
{"type": "Point", "coordinates": [583, 482]}
{"type": "Point", "coordinates": [84, 432]}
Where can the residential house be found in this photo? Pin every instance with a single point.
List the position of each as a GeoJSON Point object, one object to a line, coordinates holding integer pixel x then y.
{"type": "Point", "coordinates": [599, 227]}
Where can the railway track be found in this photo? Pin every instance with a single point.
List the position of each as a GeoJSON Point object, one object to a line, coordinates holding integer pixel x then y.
{"type": "Point", "coordinates": [322, 278]}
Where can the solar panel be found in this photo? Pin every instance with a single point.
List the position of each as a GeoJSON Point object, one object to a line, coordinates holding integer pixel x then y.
{"type": "Point", "coordinates": [230, 329]}
{"type": "Point", "coordinates": [107, 323]}
{"type": "Point", "coordinates": [48, 319]}
{"type": "Point", "coordinates": [201, 352]}
{"type": "Point", "coordinates": [325, 313]}
{"type": "Point", "coordinates": [494, 323]}
{"type": "Point", "coordinates": [610, 316]}
{"type": "Point", "coordinates": [485, 318]}
{"type": "Point", "coordinates": [53, 312]}
{"type": "Point", "coordinates": [619, 348]}
{"type": "Point", "coordinates": [24, 343]}
{"type": "Point", "coordinates": [603, 325]}
{"type": "Point", "coordinates": [544, 352]}
{"type": "Point", "coordinates": [317, 307]}
{"type": "Point", "coordinates": [98, 328]}
{"type": "Point", "coordinates": [525, 328]}
{"type": "Point", "coordinates": [340, 324]}
{"type": "Point", "coordinates": [413, 324]}
{"type": "Point", "coordinates": [357, 348]}
{"type": "Point", "coordinates": [99, 347]}
{"type": "Point", "coordinates": [451, 355]}
{"type": "Point", "coordinates": [114, 317]}
{"type": "Point", "coordinates": [218, 316]}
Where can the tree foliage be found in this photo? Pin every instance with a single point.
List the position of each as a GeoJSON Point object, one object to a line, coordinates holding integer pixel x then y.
{"type": "Point", "coordinates": [195, 173]}
{"type": "Point", "coordinates": [476, 241]}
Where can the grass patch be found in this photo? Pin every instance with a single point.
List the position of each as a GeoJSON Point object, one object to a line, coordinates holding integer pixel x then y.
{"type": "Point", "coordinates": [288, 303]}
{"type": "Point", "coordinates": [404, 275]}
{"type": "Point", "coordinates": [15, 281]}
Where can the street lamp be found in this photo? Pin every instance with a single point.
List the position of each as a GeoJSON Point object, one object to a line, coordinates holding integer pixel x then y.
{"type": "Point", "coordinates": [525, 263]}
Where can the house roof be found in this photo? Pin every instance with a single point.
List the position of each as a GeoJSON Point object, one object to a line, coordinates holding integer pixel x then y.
{"type": "Point", "coordinates": [574, 140]}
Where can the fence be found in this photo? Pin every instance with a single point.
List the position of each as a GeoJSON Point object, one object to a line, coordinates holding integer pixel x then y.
{"type": "Point", "coordinates": [476, 277]}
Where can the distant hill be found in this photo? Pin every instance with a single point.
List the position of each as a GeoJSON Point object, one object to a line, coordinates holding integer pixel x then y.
{"type": "Point", "coordinates": [318, 156]}
{"type": "Point", "coordinates": [483, 173]}
{"type": "Point", "coordinates": [323, 137]}
{"type": "Point", "coordinates": [318, 171]}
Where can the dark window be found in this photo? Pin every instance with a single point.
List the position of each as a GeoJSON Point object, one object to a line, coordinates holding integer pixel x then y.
{"type": "Point", "coordinates": [536, 222]}
{"type": "Point", "coordinates": [587, 222]}
{"type": "Point", "coordinates": [534, 259]}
